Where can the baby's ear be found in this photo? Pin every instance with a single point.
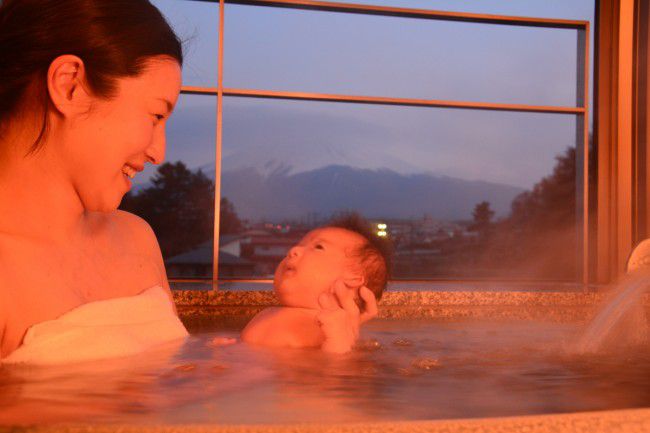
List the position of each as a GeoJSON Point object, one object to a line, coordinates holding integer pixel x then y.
{"type": "Point", "coordinates": [354, 280]}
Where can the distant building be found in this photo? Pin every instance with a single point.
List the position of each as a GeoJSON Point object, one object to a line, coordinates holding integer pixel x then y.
{"type": "Point", "coordinates": [197, 263]}
{"type": "Point", "coordinates": [254, 253]}
{"type": "Point", "coordinates": [267, 251]}
{"type": "Point", "coordinates": [231, 244]}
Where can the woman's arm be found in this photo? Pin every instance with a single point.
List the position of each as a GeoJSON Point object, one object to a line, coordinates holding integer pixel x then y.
{"type": "Point", "coordinates": [3, 321]}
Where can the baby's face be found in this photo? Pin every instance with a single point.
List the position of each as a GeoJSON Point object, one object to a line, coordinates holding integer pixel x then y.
{"type": "Point", "coordinates": [311, 267]}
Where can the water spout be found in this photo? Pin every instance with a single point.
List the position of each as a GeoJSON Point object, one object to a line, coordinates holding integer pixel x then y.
{"type": "Point", "coordinates": [622, 306]}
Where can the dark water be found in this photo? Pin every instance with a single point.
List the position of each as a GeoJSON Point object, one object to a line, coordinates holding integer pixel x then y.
{"type": "Point", "coordinates": [403, 370]}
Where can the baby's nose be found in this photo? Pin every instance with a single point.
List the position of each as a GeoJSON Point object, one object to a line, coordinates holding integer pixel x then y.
{"type": "Point", "coordinates": [294, 251]}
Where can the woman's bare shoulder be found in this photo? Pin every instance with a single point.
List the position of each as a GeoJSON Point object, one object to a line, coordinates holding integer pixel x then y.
{"type": "Point", "coordinates": [140, 236]}
{"type": "Point", "coordinates": [131, 225]}
{"type": "Point", "coordinates": [135, 233]}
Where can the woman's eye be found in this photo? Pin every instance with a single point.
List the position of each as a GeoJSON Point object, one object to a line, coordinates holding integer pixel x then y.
{"type": "Point", "coordinates": [158, 117]}
{"type": "Point", "coordinates": [319, 247]}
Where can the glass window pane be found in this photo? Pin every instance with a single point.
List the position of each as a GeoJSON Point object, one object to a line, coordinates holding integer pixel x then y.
{"type": "Point", "coordinates": [465, 193]}
{"type": "Point", "coordinates": [326, 52]}
{"type": "Point", "coordinates": [642, 95]}
{"type": "Point", "coordinates": [197, 24]}
{"type": "Point", "coordinates": [177, 197]}
{"type": "Point", "coordinates": [560, 9]}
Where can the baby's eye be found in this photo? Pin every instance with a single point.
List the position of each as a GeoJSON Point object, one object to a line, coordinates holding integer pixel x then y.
{"type": "Point", "coordinates": [158, 117]}
{"type": "Point", "coordinates": [319, 247]}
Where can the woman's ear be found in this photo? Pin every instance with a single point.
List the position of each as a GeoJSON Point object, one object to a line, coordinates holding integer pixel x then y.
{"type": "Point", "coordinates": [65, 78]}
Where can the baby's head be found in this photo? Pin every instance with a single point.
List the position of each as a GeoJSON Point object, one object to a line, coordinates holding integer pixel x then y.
{"type": "Point", "coordinates": [345, 249]}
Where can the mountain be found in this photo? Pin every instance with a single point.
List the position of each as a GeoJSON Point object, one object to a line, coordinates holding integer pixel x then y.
{"type": "Point", "coordinates": [288, 158]}
{"type": "Point", "coordinates": [278, 193]}
{"type": "Point", "coordinates": [374, 192]}
{"type": "Point", "coordinates": [292, 138]}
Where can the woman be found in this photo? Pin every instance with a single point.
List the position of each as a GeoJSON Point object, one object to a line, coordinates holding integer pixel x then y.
{"type": "Point", "coordinates": [86, 88]}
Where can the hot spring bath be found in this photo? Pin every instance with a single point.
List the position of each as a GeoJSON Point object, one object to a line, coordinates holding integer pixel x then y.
{"type": "Point", "coordinates": [432, 356]}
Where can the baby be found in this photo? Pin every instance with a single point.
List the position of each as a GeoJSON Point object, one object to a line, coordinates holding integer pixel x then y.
{"type": "Point", "coordinates": [328, 285]}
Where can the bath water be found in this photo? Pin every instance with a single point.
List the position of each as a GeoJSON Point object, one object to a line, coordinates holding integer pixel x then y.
{"type": "Point", "coordinates": [402, 370]}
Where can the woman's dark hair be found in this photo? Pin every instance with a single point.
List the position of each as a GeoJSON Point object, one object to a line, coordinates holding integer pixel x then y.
{"type": "Point", "coordinates": [114, 38]}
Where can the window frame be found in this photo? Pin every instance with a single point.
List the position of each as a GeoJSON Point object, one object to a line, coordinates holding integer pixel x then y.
{"type": "Point", "coordinates": [580, 110]}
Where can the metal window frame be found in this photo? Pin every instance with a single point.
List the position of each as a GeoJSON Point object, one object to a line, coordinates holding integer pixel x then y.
{"type": "Point", "coordinates": [623, 195]}
{"type": "Point", "coordinates": [581, 110]}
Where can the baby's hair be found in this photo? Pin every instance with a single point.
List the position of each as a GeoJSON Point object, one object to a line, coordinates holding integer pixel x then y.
{"type": "Point", "coordinates": [373, 255]}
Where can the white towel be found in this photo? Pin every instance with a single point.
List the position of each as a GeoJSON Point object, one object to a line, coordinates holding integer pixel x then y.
{"type": "Point", "coordinates": [102, 329]}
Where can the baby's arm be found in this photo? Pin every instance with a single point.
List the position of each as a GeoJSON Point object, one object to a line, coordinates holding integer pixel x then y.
{"type": "Point", "coordinates": [340, 317]}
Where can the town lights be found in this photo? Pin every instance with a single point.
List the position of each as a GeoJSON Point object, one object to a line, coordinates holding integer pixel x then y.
{"type": "Point", "coordinates": [382, 230]}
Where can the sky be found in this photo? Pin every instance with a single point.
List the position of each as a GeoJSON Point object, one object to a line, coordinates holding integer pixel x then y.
{"type": "Point", "coordinates": [322, 52]}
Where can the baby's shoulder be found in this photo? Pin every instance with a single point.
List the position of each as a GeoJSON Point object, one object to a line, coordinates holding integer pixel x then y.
{"type": "Point", "coordinates": [260, 323]}
{"type": "Point", "coordinates": [286, 327]}
{"type": "Point", "coordinates": [285, 316]}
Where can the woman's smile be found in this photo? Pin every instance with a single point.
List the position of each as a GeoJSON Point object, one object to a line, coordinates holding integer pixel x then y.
{"type": "Point", "coordinates": [129, 171]}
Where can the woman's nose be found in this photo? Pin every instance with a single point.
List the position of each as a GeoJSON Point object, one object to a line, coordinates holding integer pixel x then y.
{"type": "Point", "coordinates": [156, 151]}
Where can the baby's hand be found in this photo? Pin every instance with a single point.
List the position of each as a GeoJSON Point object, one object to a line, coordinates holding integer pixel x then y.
{"type": "Point", "coordinates": [340, 318]}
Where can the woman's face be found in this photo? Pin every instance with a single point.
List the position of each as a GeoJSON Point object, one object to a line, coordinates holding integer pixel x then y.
{"type": "Point", "coordinates": [105, 148]}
